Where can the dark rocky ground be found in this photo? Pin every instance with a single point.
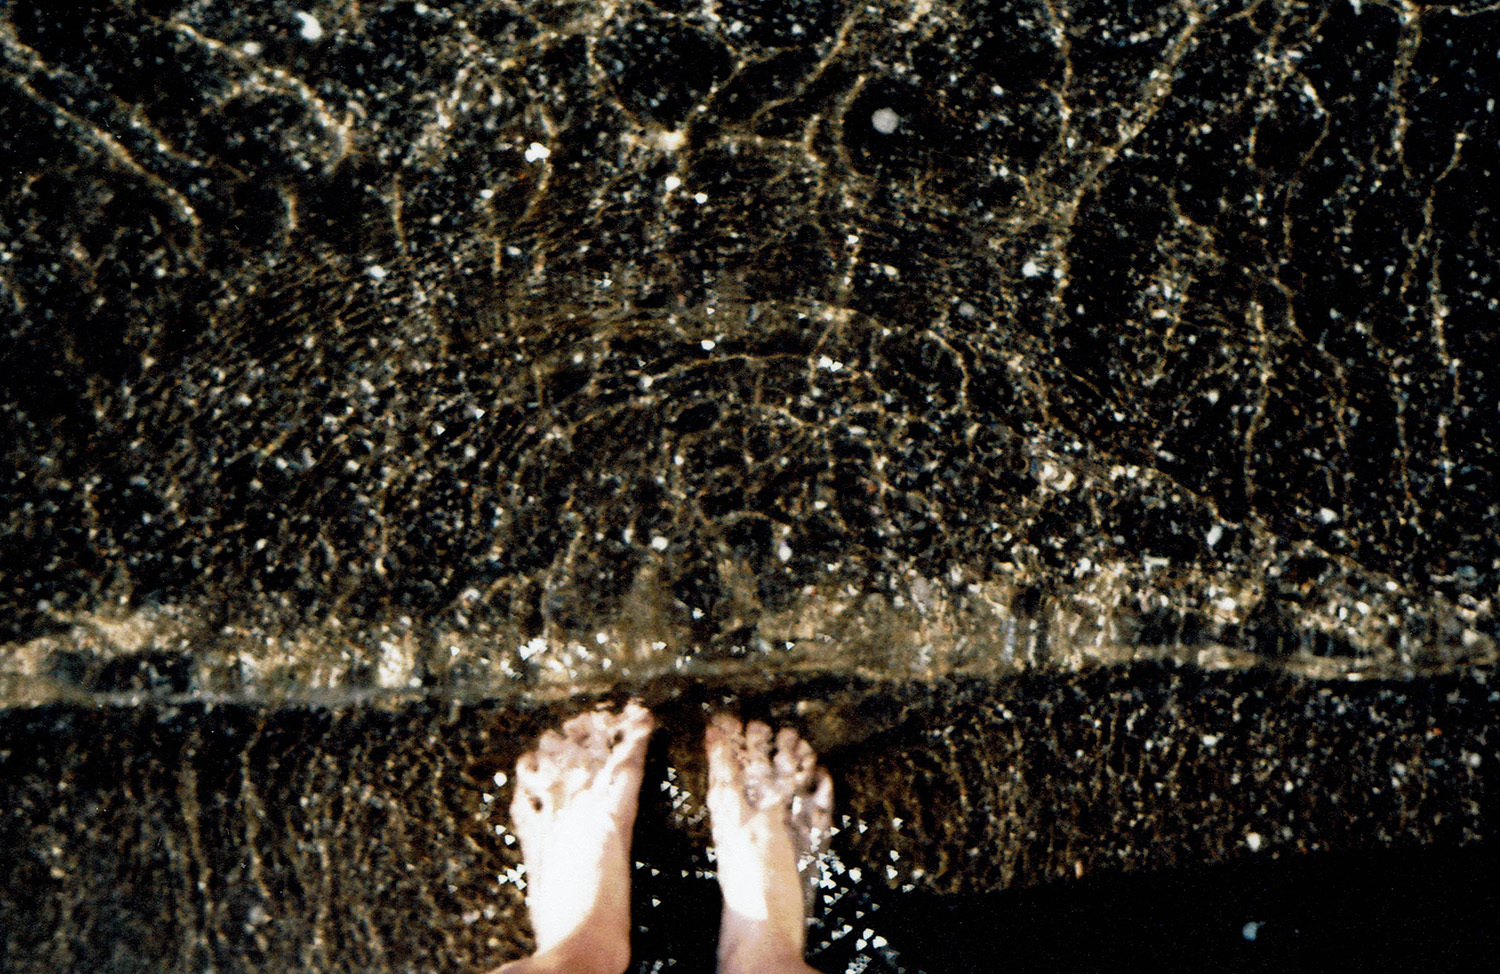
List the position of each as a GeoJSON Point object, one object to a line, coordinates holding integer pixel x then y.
{"type": "Point", "coordinates": [1028, 390]}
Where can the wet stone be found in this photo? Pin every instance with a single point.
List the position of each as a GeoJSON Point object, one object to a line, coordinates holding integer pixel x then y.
{"type": "Point", "coordinates": [379, 379]}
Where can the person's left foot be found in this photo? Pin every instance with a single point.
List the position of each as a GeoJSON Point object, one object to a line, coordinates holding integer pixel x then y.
{"type": "Point", "coordinates": [770, 808]}
{"type": "Point", "coordinates": [574, 808]}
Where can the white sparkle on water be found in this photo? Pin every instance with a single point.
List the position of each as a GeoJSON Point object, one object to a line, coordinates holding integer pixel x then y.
{"type": "Point", "coordinates": [311, 30]}
{"type": "Point", "coordinates": [885, 121]}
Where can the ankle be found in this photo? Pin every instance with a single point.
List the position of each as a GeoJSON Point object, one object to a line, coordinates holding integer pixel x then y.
{"type": "Point", "coordinates": [588, 955]}
{"type": "Point", "coordinates": [779, 964]}
{"type": "Point", "coordinates": [577, 955]}
{"type": "Point", "coordinates": [759, 958]}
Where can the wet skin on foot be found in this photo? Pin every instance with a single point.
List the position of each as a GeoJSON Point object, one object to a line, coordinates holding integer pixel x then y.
{"type": "Point", "coordinates": [574, 808]}
{"type": "Point", "coordinates": [770, 806]}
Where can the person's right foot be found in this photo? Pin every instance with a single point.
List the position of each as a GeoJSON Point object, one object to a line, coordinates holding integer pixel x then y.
{"type": "Point", "coordinates": [574, 808]}
{"type": "Point", "coordinates": [770, 807]}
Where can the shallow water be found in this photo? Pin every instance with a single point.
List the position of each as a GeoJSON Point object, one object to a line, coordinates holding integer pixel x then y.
{"type": "Point", "coordinates": [1076, 417]}
{"type": "Point", "coordinates": [244, 838]}
{"type": "Point", "coordinates": [457, 348]}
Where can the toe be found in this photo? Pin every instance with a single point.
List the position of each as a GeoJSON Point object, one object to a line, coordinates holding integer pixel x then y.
{"type": "Point", "coordinates": [762, 788]}
{"type": "Point", "coordinates": [627, 752]}
{"type": "Point", "coordinates": [812, 812]}
{"type": "Point", "coordinates": [819, 793]}
{"type": "Point", "coordinates": [529, 773]}
{"type": "Point", "coordinates": [525, 808]}
{"type": "Point", "coordinates": [720, 742]}
{"type": "Point", "coordinates": [551, 744]}
{"type": "Point", "coordinates": [583, 730]}
{"type": "Point", "coordinates": [758, 740]}
{"type": "Point", "coordinates": [636, 713]}
{"type": "Point", "coordinates": [794, 756]}
{"type": "Point", "coordinates": [725, 727]}
{"type": "Point", "coordinates": [531, 789]}
{"type": "Point", "coordinates": [634, 725]}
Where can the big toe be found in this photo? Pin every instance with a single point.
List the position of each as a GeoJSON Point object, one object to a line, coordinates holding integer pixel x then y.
{"type": "Point", "coordinates": [721, 736]}
{"type": "Point", "coordinates": [551, 746]}
{"type": "Point", "coordinates": [531, 788]}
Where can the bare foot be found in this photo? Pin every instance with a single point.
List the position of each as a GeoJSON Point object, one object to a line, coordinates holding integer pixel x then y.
{"type": "Point", "coordinates": [771, 808]}
{"type": "Point", "coordinates": [574, 808]}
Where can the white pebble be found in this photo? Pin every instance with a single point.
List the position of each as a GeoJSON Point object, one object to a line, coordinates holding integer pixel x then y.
{"type": "Point", "coordinates": [885, 121]}
{"type": "Point", "coordinates": [311, 30]}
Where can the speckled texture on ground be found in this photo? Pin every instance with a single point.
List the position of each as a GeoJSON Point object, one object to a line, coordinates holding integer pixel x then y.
{"type": "Point", "coordinates": [367, 363]}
